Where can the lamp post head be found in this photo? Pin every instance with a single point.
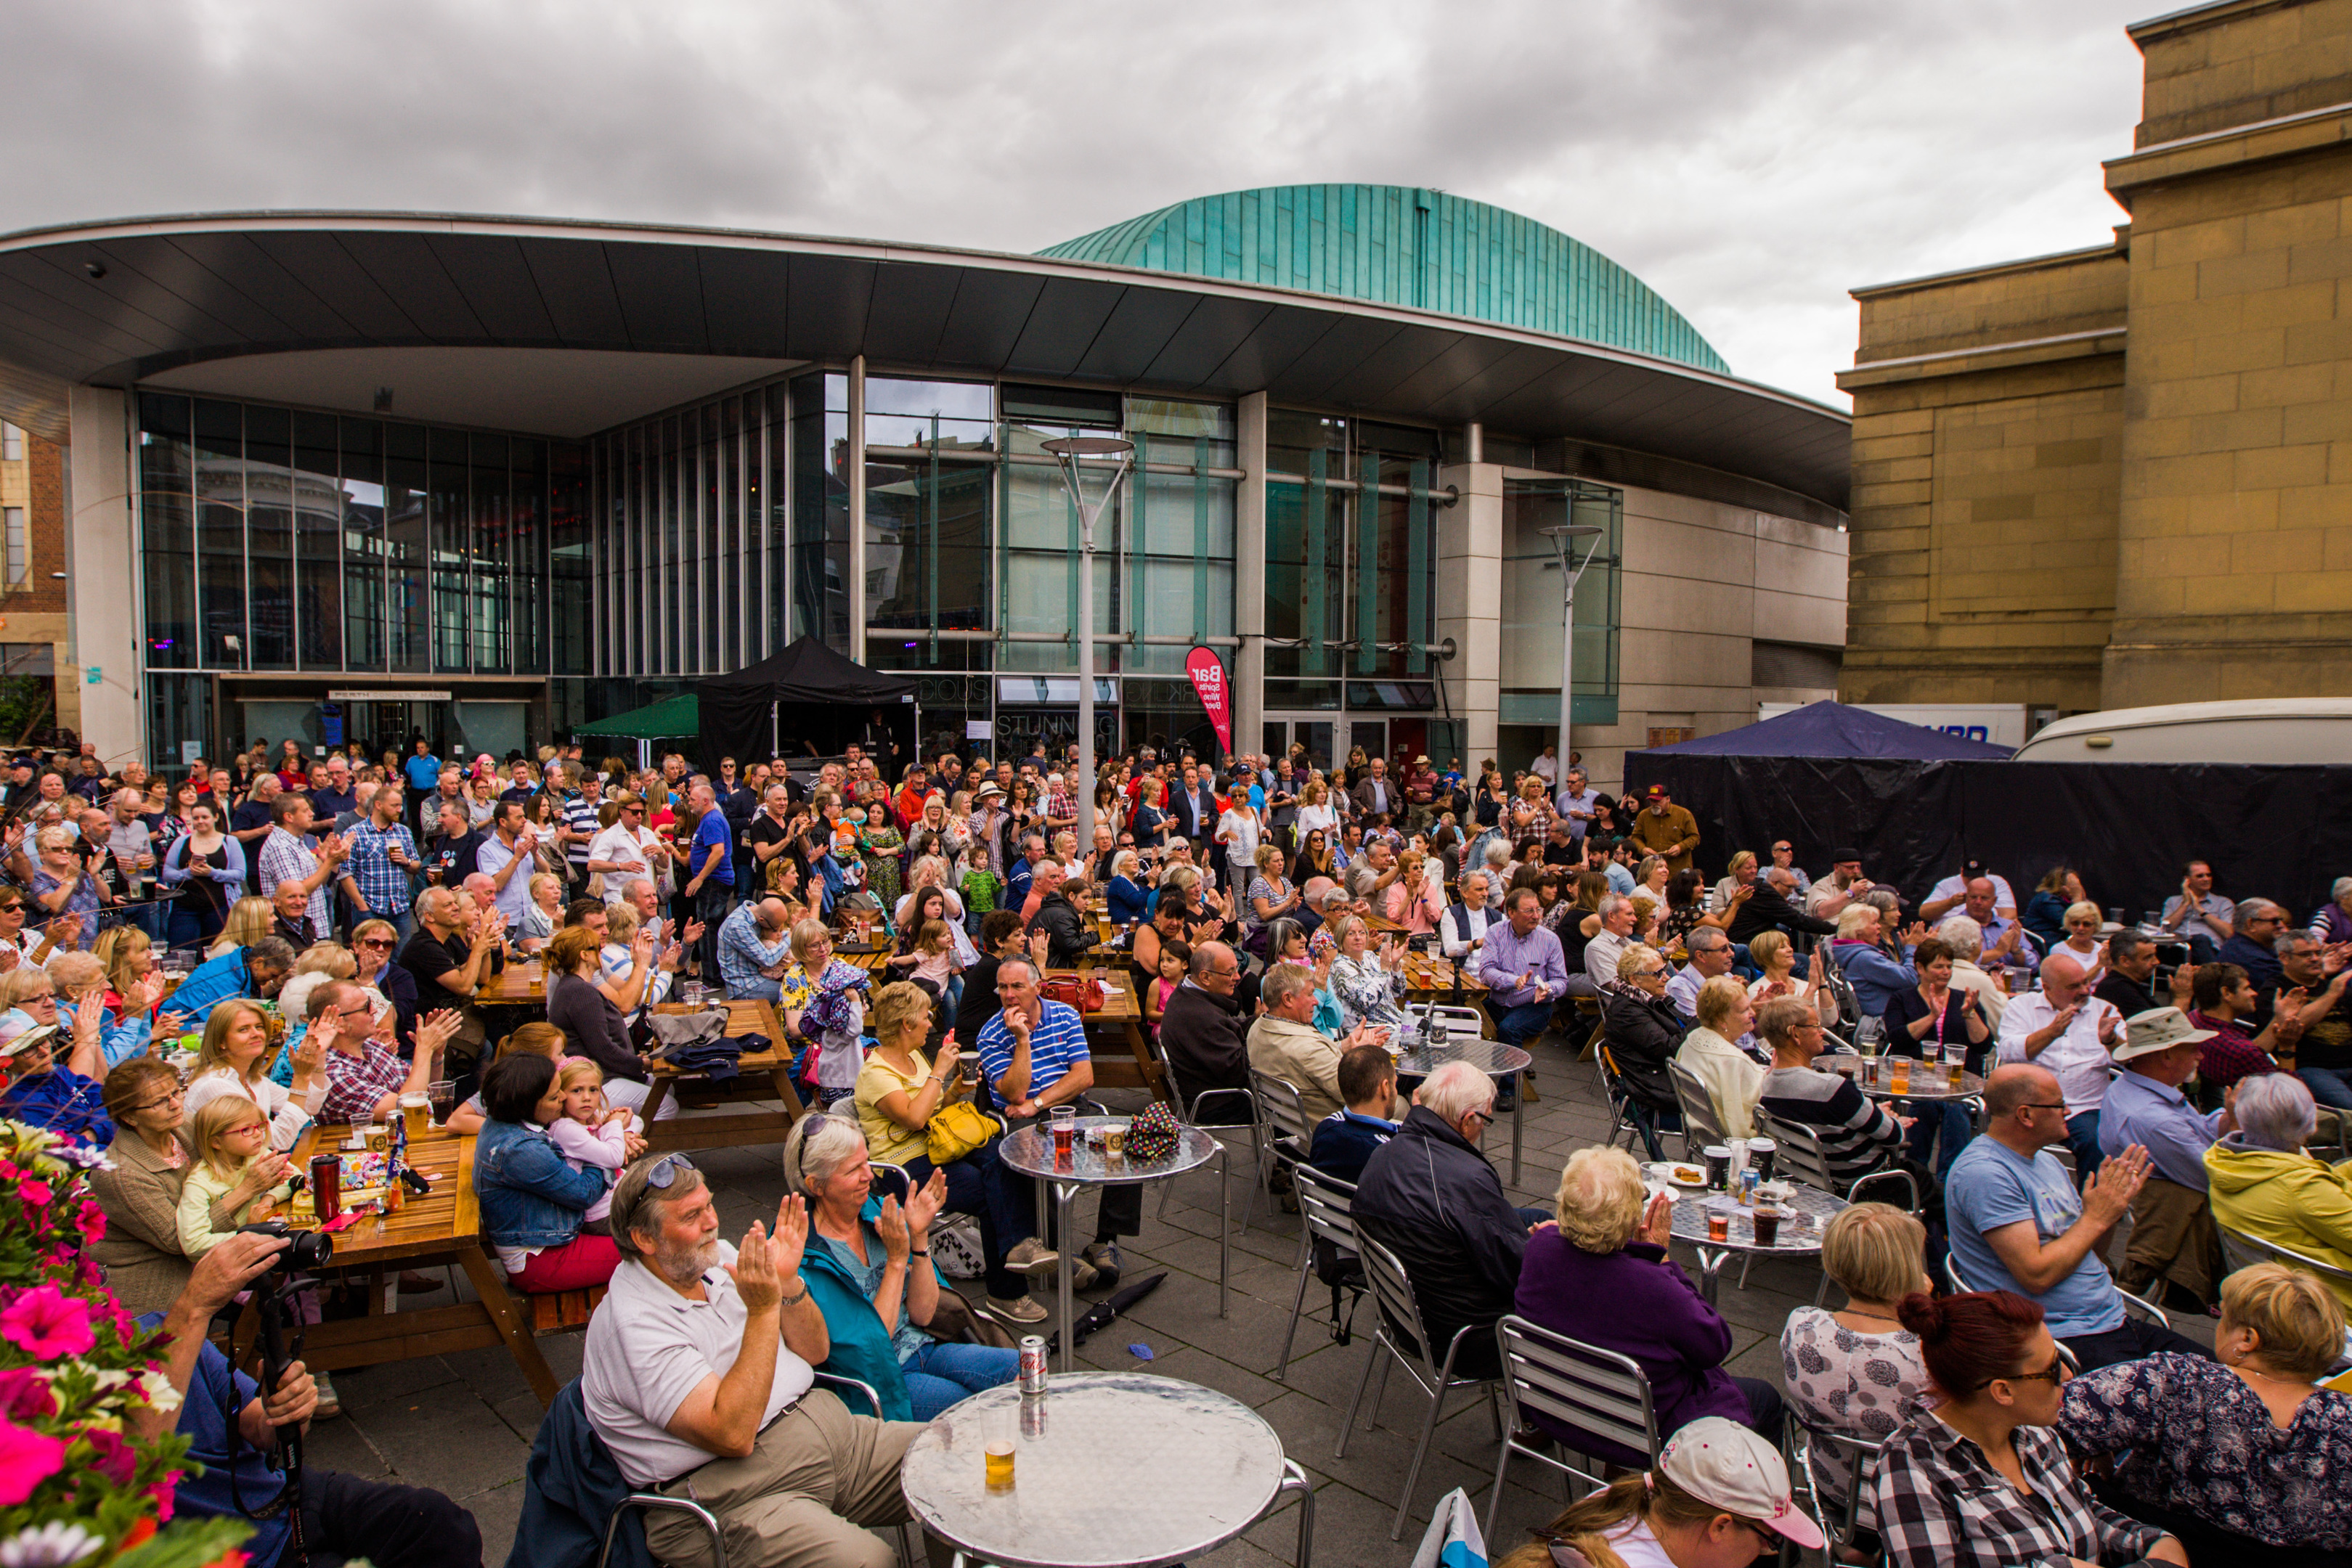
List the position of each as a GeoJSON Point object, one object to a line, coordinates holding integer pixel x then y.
{"type": "Point", "coordinates": [1071, 447]}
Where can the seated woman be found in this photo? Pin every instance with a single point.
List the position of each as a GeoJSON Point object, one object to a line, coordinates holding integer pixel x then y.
{"type": "Point", "coordinates": [869, 1263]}
{"type": "Point", "coordinates": [531, 1200]}
{"type": "Point", "coordinates": [1367, 977]}
{"type": "Point", "coordinates": [235, 1060]}
{"type": "Point", "coordinates": [542, 914]}
{"type": "Point", "coordinates": [1851, 1372]}
{"type": "Point", "coordinates": [1643, 1032]}
{"type": "Point", "coordinates": [577, 1004]}
{"type": "Point", "coordinates": [1601, 1274]}
{"type": "Point", "coordinates": [1734, 1081]}
{"type": "Point", "coordinates": [2264, 1185]}
{"type": "Point", "coordinates": [1775, 962]}
{"type": "Point", "coordinates": [899, 1093]}
{"type": "Point", "coordinates": [2241, 1457]}
{"type": "Point", "coordinates": [139, 1193]}
{"type": "Point", "coordinates": [1717, 1496]}
{"type": "Point", "coordinates": [1980, 1477]}
{"type": "Point", "coordinates": [1130, 903]}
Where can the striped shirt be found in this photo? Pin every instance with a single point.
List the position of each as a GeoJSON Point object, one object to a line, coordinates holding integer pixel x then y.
{"type": "Point", "coordinates": [383, 885]}
{"type": "Point", "coordinates": [1056, 1044]}
{"type": "Point", "coordinates": [579, 816]}
{"type": "Point", "coordinates": [1857, 1135]}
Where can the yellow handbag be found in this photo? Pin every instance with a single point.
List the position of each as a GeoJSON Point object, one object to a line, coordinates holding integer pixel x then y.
{"type": "Point", "coordinates": [956, 1129]}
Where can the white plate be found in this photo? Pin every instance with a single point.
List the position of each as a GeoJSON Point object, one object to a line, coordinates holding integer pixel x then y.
{"type": "Point", "coordinates": [1662, 1173]}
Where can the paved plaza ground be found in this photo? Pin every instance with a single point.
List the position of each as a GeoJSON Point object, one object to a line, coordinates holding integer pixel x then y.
{"type": "Point", "coordinates": [463, 1423]}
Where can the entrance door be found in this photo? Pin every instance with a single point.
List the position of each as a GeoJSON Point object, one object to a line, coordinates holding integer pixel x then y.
{"type": "Point", "coordinates": [1315, 733]}
{"type": "Point", "coordinates": [1372, 735]}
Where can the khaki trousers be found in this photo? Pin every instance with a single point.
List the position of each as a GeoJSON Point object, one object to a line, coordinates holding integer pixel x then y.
{"type": "Point", "coordinates": [814, 1477]}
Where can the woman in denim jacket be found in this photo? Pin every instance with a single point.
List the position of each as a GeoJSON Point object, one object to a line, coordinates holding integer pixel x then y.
{"type": "Point", "coordinates": [531, 1199]}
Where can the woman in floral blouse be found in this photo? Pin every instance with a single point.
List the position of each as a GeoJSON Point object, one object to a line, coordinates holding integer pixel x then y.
{"type": "Point", "coordinates": [2242, 1456]}
{"type": "Point", "coordinates": [1366, 980]}
{"type": "Point", "coordinates": [1852, 1372]}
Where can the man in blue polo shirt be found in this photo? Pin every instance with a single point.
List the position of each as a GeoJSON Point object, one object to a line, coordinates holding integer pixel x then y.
{"type": "Point", "coordinates": [1033, 1056]}
{"type": "Point", "coordinates": [710, 880]}
{"type": "Point", "coordinates": [424, 769]}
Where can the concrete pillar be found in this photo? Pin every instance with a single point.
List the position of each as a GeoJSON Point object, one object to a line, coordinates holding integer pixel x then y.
{"type": "Point", "coordinates": [1470, 598]}
{"type": "Point", "coordinates": [103, 584]}
{"type": "Point", "coordinates": [1249, 575]}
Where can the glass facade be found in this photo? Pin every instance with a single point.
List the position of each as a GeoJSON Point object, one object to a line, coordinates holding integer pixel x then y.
{"type": "Point", "coordinates": [274, 540]}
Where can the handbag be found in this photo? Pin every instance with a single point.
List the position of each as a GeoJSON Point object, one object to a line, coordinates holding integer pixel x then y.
{"type": "Point", "coordinates": [955, 1130]}
{"type": "Point", "coordinates": [1073, 991]}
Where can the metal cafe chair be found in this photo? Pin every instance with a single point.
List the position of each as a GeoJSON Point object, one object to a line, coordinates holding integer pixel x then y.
{"type": "Point", "coordinates": [1325, 1203]}
{"type": "Point", "coordinates": [1188, 1110]}
{"type": "Point", "coordinates": [1594, 1391]}
{"type": "Point", "coordinates": [1701, 1126]}
{"type": "Point", "coordinates": [1806, 1444]}
{"type": "Point", "coordinates": [1284, 1133]}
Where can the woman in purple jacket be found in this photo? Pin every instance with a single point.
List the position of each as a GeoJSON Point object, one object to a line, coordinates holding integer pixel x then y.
{"type": "Point", "coordinates": [1601, 1274]}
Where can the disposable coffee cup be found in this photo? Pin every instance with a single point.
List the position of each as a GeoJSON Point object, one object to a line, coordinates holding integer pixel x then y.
{"type": "Point", "coordinates": [1719, 1167]}
{"type": "Point", "coordinates": [1760, 1155]}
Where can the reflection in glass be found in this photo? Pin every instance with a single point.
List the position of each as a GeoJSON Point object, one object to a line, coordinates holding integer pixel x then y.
{"type": "Point", "coordinates": [571, 556]}
{"type": "Point", "coordinates": [821, 510]}
{"type": "Point", "coordinates": [269, 536]}
{"type": "Point", "coordinates": [448, 494]}
{"type": "Point", "coordinates": [927, 556]}
{"type": "Point", "coordinates": [317, 498]}
{"type": "Point", "coordinates": [493, 556]}
{"type": "Point", "coordinates": [363, 544]}
{"type": "Point", "coordinates": [168, 538]}
{"type": "Point", "coordinates": [405, 546]}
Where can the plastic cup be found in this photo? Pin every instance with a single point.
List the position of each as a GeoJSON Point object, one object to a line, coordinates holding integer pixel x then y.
{"type": "Point", "coordinates": [376, 1137]}
{"type": "Point", "coordinates": [417, 1111]}
{"type": "Point", "coordinates": [1768, 1227]}
{"type": "Point", "coordinates": [1065, 1130]}
{"type": "Point", "coordinates": [1719, 1226]}
{"type": "Point", "coordinates": [443, 1092]}
{"type": "Point", "coordinates": [1115, 1141]}
{"type": "Point", "coordinates": [1761, 1152]}
{"type": "Point", "coordinates": [1898, 1076]}
{"type": "Point", "coordinates": [998, 1456]}
{"type": "Point", "coordinates": [1719, 1167]}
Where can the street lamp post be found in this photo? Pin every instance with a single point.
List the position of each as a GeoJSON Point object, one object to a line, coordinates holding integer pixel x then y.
{"type": "Point", "coordinates": [1069, 451]}
{"type": "Point", "coordinates": [1564, 540]}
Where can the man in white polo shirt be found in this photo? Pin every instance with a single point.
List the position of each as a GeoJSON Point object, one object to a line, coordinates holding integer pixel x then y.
{"type": "Point", "coordinates": [696, 1375]}
{"type": "Point", "coordinates": [2068, 1032]}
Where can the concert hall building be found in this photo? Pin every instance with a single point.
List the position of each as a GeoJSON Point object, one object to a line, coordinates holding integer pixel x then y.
{"type": "Point", "coordinates": [373, 475]}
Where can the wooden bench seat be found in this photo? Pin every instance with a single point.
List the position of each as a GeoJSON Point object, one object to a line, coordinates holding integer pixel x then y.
{"type": "Point", "coordinates": [559, 1311]}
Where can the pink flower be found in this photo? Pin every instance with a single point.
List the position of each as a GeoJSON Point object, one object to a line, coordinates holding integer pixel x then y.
{"type": "Point", "coordinates": [93, 1222]}
{"type": "Point", "coordinates": [112, 1456]}
{"type": "Point", "coordinates": [46, 1323]}
{"type": "Point", "coordinates": [24, 1396]}
{"type": "Point", "coordinates": [27, 1459]}
{"type": "Point", "coordinates": [161, 1492]}
{"type": "Point", "coordinates": [35, 1193]}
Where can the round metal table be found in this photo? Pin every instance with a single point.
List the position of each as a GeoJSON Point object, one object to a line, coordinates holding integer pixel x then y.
{"type": "Point", "coordinates": [1030, 1151]}
{"type": "Point", "coordinates": [1110, 1467]}
{"type": "Point", "coordinates": [1927, 1082]}
{"type": "Point", "coordinates": [1801, 1235]}
{"type": "Point", "coordinates": [1491, 1057]}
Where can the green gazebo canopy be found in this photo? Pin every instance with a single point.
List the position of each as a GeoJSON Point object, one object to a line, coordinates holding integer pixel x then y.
{"type": "Point", "coordinates": [677, 716]}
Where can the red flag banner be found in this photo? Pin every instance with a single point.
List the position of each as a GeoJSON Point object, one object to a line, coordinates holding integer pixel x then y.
{"type": "Point", "coordinates": [1216, 694]}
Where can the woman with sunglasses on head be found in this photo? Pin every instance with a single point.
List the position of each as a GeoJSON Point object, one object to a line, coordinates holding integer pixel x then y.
{"type": "Point", "coordinates": [1982, 1478]}
{"type": "Point", "coordinates": [373, 942]}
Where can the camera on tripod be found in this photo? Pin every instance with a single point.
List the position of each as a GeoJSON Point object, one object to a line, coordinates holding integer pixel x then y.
{"type": "Point", "coordinates": [308, 1249]}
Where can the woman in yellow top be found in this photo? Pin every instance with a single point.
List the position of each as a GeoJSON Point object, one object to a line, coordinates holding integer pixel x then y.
{"type": "Point", "coordinates": [2266, 1185]}
{"type": "Point", "coordinates": [898, 1092]}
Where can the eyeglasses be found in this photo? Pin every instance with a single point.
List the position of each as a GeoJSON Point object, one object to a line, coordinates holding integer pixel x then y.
{"type": "Point", "coordinates": [173, 1098]}
{"type": "Point", "coordinates": [2042, 1105]}
{"type": "Point", "coordinates": [1649, 974]}
{"type": "Point", "coordinates": [664, 1171]}
{"type": "Point", "coordinates": [2054, 1374]}
{"type": "Point", "coordinates": [375, 941]}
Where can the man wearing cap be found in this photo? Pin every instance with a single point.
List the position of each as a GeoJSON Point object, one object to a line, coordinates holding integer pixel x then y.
{"type": "Point", "coordinates": [1827, 899]}
{"type": "Point", "coordinates": [2172, 1235]}
{"type": "Point", "coordinates": [1666, 829]}
{"type": "Point", "coordinates": [55, 1097]}
{"type": "Point", "coordinates": [1420, 794]}
{"type": "Point", "coordinates": [1947, 895]}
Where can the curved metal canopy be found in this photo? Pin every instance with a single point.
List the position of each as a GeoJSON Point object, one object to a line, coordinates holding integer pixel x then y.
{"type": "Point", "coordinates": [107, 304]}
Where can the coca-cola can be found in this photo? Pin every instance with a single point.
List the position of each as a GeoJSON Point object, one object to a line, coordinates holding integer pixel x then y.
{"type": "Point", "coordinates": [1033, 1363]}
{"type": "Point", "coordinates": [326, 1185]}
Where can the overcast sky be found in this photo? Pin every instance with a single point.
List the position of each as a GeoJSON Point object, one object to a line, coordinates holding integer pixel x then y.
{"type": "Point", "coordinates": [1751, 160]}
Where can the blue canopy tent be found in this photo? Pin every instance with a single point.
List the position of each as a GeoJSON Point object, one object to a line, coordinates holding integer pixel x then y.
{"type": "Point", "coordinates": [1919, 803]}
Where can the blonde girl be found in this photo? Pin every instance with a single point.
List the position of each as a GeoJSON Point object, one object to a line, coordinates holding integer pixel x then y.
{"type": "Point", "coordinates": [233, 1162]}
{"type": "Point", "coordinates": [587, 1132]}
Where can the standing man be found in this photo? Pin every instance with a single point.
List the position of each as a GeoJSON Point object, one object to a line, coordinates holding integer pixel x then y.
{"type": "Point", "coordinates": [507, 858]}
{"type": "Point", "coordinates": [1666, 829]}
{"type": "Point", "coordinates": [583, 801]}
{"type": "Point", "coordinates": [1579, 804]}
{"type": "Point", "coordinates": [336, 798]}
{"type": "Point", "coordinates": [382, 855]}
{"type": "Point", "coordinates": [628, 848]}
{"type": "Point", "coordinates": [423, 768]}
{"type": "Point", "coordinates": [287, 856]}
{"type": "Point", "coordinates": [251, 822]}
{"type": "Point", "coordinates": [2068, 1034]}
{"type": "Point", "coordinates": [710, 879]}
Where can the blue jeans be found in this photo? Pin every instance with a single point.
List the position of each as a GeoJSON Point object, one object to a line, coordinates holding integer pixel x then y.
{"type": "Point", "coordinates": [1516, 1026]}
{"type": "Point", "coordinates": [2331, 1086]}
{"type": "Point", "coordinates": [1953, 1123]}
{"type": "Point", "coordinates": [2083, 1139]}
{"type": "Point", "coordinates": [979, 1185]}
{"type": "Point", "coordinates": [940, 1375]}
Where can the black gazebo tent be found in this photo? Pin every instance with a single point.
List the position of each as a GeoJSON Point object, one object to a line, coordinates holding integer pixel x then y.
{"type": "Point", "coordinates": [1917, 802]}
{"type": "Point", "coordinates": [807, 695]}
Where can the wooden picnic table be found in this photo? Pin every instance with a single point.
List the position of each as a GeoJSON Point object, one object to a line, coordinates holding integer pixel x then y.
{"type": "Point", "coordinates": [1428, 974]}
{"type": "Point", "coordinates": [1121, 1019]}
{"type": "Point", "coordinates": [764, 1075]}
{"type": "Point", "coordinates": [522, 985]}
{"type": "Point", "coordinates": [442, 1227]}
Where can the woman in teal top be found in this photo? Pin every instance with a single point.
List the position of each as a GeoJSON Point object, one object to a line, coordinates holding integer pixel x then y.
{"type": "Point", "coordinates": [868, 1264]}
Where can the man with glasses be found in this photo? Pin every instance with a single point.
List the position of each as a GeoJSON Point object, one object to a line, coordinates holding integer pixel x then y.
{"type": "Point", "coordinates": [2323, 1054]}
{"type": "Point", "coordinates": [365, 1078]}
{"type": "Point", "coordinates": [1202, 1031]}
{"type": "Point", "coordinates": [699, 1375]}
{"type": "Point", "coordinates": [2068, 1032]}
{"type": "Point", "coordinates": [1579, 804]}
{"type": "Point", "coordinates": [2017, 1223]}
{"type": "Point", "coordinates": [2252, 948]}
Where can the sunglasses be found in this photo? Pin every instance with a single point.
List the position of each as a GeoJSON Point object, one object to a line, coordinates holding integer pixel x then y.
{"type": "Point", "coordinates": [664, 1171]}
{"type": "Point", "coordinates": [2054, 1374]}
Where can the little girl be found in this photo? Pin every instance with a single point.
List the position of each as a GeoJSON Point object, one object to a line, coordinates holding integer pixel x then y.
{"type": "Point", "coordinates": [979, 885]}
{"type": "Point", "coordinates": [935, 962]}
{"type": "Point", "coordinates": [587, 1134]}
{"type": "Point", "coordinates": [1175, 958]}
{"type": "Point", "coordinates": [231, 1137]}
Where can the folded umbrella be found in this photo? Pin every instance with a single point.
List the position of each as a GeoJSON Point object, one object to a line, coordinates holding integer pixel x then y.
{"type": "Point", "coordinates": [1098, 1316]}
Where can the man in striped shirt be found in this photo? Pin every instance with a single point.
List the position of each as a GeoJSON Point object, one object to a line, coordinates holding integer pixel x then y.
{"type": "Point", "coordinates": [1857, 1135]}
{"type": "Point", "coordinates": [583, 802]}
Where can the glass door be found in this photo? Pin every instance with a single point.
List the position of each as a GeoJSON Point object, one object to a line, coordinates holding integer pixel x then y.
{"type": "Point", "coordinates": [1314, 734]}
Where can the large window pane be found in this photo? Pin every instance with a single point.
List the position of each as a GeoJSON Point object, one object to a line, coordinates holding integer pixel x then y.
{"type": "Point", "coordinates": [675, 534]}
{"type": "Point", "coordinates": [318, 498]}
{"type": "Point", "coordinates": [527, 536]}
{"type": "Point", "coordinates": [407, 558]}
{"type": "Point", "coordinates": [269, 535]}
{"type": "Point", "coordinates": [913, 413]}
{"type": "Point", "coordinates": [821, 510]}
{"type": "Point", "coordinates": [167, 530]}
{"type": "Point", "coordinates": [452, 551]}
{"type": "Point", "coordinates": [927, 539]}
{"type": "Point", "coordinates": [493, 557]}
{"type": "Point", "coordinates": [779, 517]}
{"type": "Point", "coordinates": [363, 544]}
{"type": "Point", "coordinates": [570, 560]}
{"type": "Point", "coordinates": [726, 572]}
{"type": "Point", "coordinates": [1306, 540]}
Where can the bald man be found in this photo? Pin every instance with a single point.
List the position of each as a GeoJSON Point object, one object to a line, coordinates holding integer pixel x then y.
{"type": "Point", "coordinates": [2067, 1032]}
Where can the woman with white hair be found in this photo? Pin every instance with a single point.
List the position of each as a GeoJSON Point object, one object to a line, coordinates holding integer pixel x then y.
{"type": "Point", "coordinates": [1734, 1080]}
{"type": "Point", "coordinates": [1601, 1274]}
{"type": "Point", "coordinates": [2264, 1185]}
{"type": "Point", "coordinates": [2333, 920]}
{"type": "Point", "coordinates": [868, 1264]}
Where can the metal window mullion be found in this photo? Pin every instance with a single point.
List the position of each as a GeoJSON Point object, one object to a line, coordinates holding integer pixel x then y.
{"type": "Point", "coordinates": [1365, 539]}
{"type": "Point", "coordinates": [1416, 627]}
{"type": "Point", "coordinates": [932, 540]}
{"type": "Point", "coordinates": [1200, 542]}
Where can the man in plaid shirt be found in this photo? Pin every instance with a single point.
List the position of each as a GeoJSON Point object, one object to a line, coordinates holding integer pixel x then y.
{"type": "Point", "coordinates": [366, 1078]}
{"type": "Point", "coordinates": [287, 857]}
{"type": "Point", "coordinates": [383, 854]}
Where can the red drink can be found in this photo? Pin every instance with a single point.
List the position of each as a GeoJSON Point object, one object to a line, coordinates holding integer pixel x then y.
{"type": "Point", "coordinates": [326, 1185]}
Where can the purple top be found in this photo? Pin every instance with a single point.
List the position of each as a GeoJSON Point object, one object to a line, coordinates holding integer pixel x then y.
{"type": "Point", "coordinates": [1508, 954]}
{"type": "Point", "coordinates": [1637, 1302]}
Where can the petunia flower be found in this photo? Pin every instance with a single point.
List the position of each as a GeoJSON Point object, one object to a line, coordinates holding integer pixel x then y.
{"type": "Point", "coordinates": [25, 1395]}
{"type": "Point", "coordinates": [27, 1459]}
{"type": "Point", "coordinates": [47, 1323]}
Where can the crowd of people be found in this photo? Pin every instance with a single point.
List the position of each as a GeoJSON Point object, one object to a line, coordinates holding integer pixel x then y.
{"type": "Point", "coordinates": [340, 916]}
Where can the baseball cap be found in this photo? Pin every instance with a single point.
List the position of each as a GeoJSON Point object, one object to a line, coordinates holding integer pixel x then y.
{"type": "Point", "coordinates": [1726, 1466]}
{"type": "Point", "coordinates": [2159, 1029]}
{"type": "Point", "coordinates": [1657, 791]}
{"type": "Point", "coordinates": [19, 1033]}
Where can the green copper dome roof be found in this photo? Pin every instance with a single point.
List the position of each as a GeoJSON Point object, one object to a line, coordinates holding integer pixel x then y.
{"type": "Point", "coordinates": [1400, 244]}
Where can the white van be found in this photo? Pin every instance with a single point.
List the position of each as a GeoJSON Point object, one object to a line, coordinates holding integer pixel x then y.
{"type": "Point", "coordinates": [2308, 731]}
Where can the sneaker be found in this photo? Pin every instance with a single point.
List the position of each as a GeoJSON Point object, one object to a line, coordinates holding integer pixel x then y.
{"type": "Point", "coordinates": [1107, 1263]}
{"type": "Point", "coordinates": [1018, 1310]}
{"type": "Point", "coordinates": [1032, 1256]}
{"type": "Point", "coordinates": [1084, 1276]}
{"type": "Point", "coordinates": [329, 1405]}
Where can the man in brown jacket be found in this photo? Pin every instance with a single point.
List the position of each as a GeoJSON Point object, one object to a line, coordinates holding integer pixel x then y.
{"type": "Point", "coordinates": [1665, 829]}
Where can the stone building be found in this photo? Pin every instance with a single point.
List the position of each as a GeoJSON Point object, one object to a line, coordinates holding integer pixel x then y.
{"type": "Point", "coordinates": [2122, 476]}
